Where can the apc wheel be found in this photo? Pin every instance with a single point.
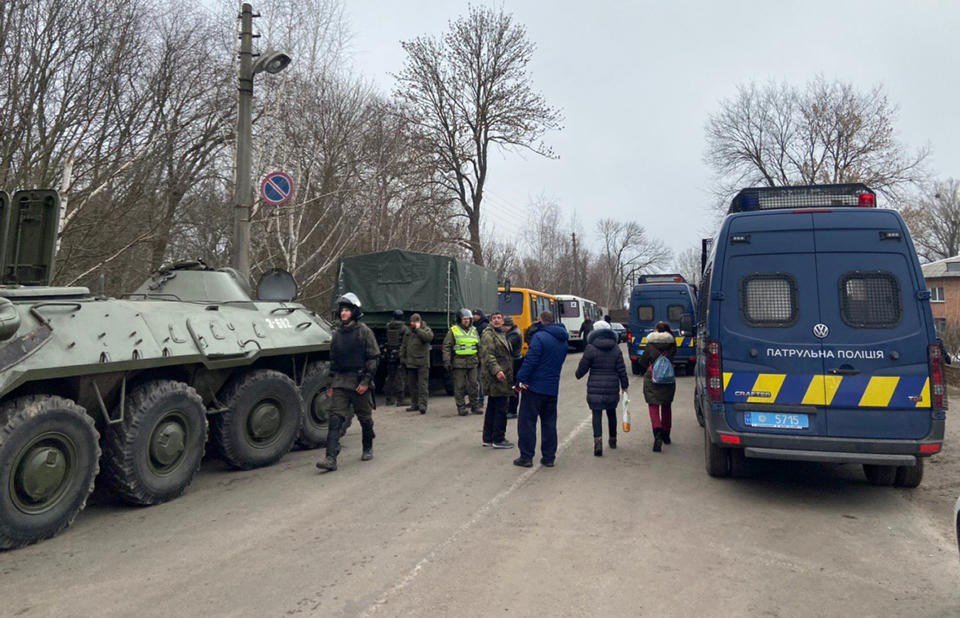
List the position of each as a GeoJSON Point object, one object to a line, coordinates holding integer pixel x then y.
{"type": "Point", "coordinates": [909, 476]}
{"type": "Point", "coordinates": [635, 367]}
{"type": "Point", "coordinates": [48, 463]}
{"type": "Point", "coordinates": [717, 459]}
{"type": "Point", "coordinates": [263, 418]}
{"type": "Point", "coordinates": [883, 476]}
{"type": "Point", "coordinates": [153, 455]}
{"type": "Point", "coordinates": [316, 406]}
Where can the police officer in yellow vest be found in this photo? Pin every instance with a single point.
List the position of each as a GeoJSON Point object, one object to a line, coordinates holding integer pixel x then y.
{"type": "Point", "coordinates": [460, 356]}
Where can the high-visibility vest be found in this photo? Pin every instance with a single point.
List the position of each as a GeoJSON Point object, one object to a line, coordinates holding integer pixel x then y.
{"type": "Point", "coordinates": [465, 343]}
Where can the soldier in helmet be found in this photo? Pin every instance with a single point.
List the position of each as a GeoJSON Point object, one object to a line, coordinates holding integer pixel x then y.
{"type": "Point", "coordinates": [460, 356]}
{"type": "Point", "coordinates": [353, 363]}
{"type": "Point", "coordinates": [396, 331]}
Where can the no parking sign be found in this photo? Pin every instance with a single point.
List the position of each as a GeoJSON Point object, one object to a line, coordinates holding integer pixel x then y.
{"type": "Point", "coordinates": [276, 188]}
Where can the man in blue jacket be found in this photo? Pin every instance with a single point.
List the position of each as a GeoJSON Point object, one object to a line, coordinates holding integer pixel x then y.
{"type": "Point", "coordinates": [539, 379]}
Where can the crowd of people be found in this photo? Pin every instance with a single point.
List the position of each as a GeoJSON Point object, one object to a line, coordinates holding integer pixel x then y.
{"type": "Point", "coordinates": [492, 377]}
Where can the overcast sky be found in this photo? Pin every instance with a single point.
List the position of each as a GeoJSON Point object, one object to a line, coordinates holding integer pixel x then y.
{"type": "Point", "coordinates": [636, 81]}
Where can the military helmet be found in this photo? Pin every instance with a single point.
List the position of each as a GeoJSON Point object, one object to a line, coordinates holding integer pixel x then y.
{"type": "Point", "coordinates": [397, 314]}
{"type": "Point", "coordinates": [466, 313]}
{"type": "Point", "coordinates": [350, 300]}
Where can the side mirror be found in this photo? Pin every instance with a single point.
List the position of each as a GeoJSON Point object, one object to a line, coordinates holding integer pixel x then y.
{"type": "Point", "coordinates": [686, 323]}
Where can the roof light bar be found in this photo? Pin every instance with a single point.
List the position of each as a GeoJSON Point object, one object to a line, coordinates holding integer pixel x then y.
{"type": "Point", "coordinates": [810, 196]}
{"type": "Point", "coordinates": [662, 278]}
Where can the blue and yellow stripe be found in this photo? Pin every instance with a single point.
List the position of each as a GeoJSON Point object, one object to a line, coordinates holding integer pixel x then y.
{"type": "Point", "coordinates": [689, 342]}
{"type": "Point", "coordinates": [827, 390]}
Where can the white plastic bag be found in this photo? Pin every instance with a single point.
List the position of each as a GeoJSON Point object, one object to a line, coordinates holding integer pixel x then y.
{"type": "Point", "coordinates": [625, 401]}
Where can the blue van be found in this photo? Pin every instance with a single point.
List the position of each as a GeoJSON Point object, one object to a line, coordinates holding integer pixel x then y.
{"type": "Point", "coordinates": [815, 337]}
{"type": "Point", "coordinates": [662, 298]}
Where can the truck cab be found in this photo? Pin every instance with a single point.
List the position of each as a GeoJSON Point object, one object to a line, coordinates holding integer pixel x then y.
{"type": "Point", "coordinates": [815, 337]}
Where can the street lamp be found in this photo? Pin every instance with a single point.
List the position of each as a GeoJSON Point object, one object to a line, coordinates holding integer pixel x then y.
{"type": "Point", "coordinates": [271, 61]}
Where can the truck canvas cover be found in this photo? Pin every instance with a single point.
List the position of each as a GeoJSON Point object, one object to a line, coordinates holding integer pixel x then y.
{"type": "Point", "coordinates": [412, 281]}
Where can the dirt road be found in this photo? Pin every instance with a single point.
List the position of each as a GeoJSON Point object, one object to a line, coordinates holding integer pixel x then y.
{"type": "Point", "coordinates": [438, 525]}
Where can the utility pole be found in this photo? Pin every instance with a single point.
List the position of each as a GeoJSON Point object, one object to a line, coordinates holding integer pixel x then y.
{"type": "Point", "coordinates": [243, 199]}
{"type": "Point", "coordinates": [271, 61]}
{"type": "Point", "coordinates": [576, 267]}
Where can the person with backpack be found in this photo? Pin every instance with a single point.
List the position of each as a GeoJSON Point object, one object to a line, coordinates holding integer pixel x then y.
{"type": "Point", "coordinates": [603, 359]}
{"type": "Point", "coordinates": [659, 381]}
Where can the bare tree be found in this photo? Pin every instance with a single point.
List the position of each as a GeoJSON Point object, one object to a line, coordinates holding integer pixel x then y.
{"type": "Point", "coordinates": [934, 220]}
{"type": "Point", "coordinates": [687, 263]}
{"type": "Point", "coordinates": [824, 132]}
{"type": "Point", "coordinates": [467, 91]}
{"type": "Point", "coordinates": [625, 249]}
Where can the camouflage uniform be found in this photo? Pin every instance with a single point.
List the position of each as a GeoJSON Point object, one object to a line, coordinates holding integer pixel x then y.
{"type": "Point", "coordinates": [461, 358]}
{"type": "Point", "coordinates": [396, 378]}
{"type": "Point", "coordinates": [415, 356]}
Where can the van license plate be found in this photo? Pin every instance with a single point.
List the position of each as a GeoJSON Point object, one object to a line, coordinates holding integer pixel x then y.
{"type": "Point", "coordinates": [775, 420]}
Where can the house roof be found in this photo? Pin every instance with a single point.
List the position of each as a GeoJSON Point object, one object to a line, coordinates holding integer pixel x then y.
{"type": "Point", "coordinates": [948, 267]}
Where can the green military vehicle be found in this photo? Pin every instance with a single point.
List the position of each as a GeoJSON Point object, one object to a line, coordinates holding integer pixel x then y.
{"type": "Point", "coordinates": [435, 286]}
{"type": "Point", "coordinates": [124, 387]}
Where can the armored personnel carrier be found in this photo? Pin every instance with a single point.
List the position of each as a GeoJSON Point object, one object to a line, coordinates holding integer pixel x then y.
{"type": "Point", "coordinates": [125, 387]}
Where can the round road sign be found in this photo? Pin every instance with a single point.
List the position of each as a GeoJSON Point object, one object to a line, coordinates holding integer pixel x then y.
{"type": "Point", "coordinates": [276, 188]}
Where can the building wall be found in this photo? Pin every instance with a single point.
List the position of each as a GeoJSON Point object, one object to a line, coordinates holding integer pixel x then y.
{"type": "Point", "coordinates": [949, 308]}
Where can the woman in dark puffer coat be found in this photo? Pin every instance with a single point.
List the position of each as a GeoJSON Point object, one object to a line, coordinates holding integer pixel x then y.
{"type": "Point", "coordinates": [659, 397]}
{"type": "Point", "coordinates": [608, 375]}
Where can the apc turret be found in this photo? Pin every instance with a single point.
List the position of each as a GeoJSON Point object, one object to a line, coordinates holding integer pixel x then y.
{"type": "Point", "coordinates": [131, 388]}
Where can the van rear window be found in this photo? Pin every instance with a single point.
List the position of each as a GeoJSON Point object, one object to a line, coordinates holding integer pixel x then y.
{"type": "Point", "coordinates": [870, 300]}
{"type": "Point", "coordinates": [645, 313]}
{"type": "Point", "coordinates": [674, 313]}
{"type": "Point", "coordinates": [769, 300]}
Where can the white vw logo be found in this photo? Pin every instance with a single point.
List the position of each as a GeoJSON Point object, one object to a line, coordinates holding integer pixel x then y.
{"type": "Point", "coordinates": [820, 331]}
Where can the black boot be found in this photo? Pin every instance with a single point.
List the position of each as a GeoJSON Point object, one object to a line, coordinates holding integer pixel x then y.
{"type": "Point", "coordinates": [657, 441]}
{"type": "Point", "coordinates": [665, 434]}
{"type": "Point", "coordinates": [598, 447]}
{"type": "Point", "coordinates": [329, 463]}
{"type": "Point", "coordinates": [613, 442]}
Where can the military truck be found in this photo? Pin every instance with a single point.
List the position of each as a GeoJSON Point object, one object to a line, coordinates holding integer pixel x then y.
{"type": "Point", "coordinates": [435, 286]}
{"type": "Point", "coordinates": [125, 387]}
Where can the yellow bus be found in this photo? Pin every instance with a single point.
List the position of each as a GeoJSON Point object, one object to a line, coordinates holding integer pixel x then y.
{"type": "Point", "coordinates": [524, 306]}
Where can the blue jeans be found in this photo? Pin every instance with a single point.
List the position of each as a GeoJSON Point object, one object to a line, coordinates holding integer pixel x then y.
{"type": "Point", "coordinates": [535, 406]}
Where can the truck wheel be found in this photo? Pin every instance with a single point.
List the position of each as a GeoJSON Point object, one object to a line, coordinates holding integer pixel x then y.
{"type": "Point", "coordinates": [316, 406]}
{"type": "Point", "coordinates": [909, 476]}
{"type": "Point", "coordinates": [153, 455]}
{"type": "Point", "coordinates": [880, 475]}
{"type": "Point", "coordinates": [48, 462]}
{"type": "Point", "coordinates": [635, 367]}
{"type": "Point", "coordinates": [717, 459]}
{"type": "Point", "coordinates": [262, 420]}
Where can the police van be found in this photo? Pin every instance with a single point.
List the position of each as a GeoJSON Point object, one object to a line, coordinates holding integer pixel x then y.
{"type": "Point", "coordinates": [815, 340]}
{"type": "Point", "coordinates": [662, 298]}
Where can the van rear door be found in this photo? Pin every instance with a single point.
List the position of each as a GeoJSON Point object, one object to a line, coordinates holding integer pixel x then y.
{"type": "Point", "coordinates": [875, 342]}
{"type": "Point", "coordinates": [772, 361]}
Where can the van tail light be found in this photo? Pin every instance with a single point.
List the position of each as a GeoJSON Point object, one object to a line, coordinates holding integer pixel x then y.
{"type": "Point", "coordinates": [714, 372]}
{"type": "Point", "coordinates": [929, 449]}
{"type": "Point", "coordinates": [938, 386]}
{"type": "Point", "coordinates": [867, 200]}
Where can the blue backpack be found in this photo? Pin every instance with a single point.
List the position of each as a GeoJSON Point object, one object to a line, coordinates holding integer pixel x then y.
{"type": "Point", "coordinates": [662, 371]}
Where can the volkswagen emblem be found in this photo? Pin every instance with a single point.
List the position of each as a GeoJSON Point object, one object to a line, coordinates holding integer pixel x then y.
{"type": "Point", "coordinates": [820, 331]}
